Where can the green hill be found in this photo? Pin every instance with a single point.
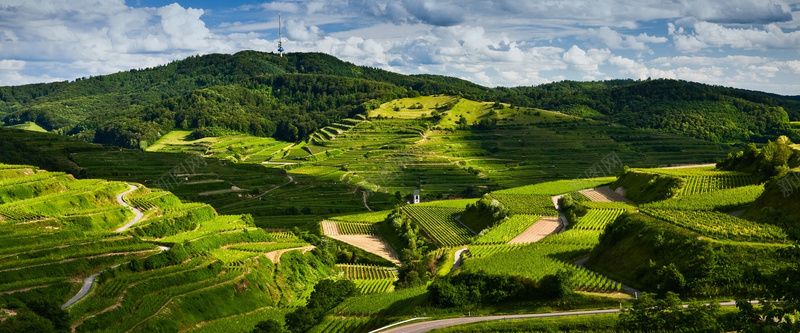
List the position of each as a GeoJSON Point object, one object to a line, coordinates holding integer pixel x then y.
{"type": "Point", "coordinates": [291, 97]}
{"type": "Point", "coordinates": [160, 274]}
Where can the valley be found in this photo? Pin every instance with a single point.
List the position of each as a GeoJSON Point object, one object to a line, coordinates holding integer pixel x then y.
{"type": "Point", "coordinates": [286, 196]}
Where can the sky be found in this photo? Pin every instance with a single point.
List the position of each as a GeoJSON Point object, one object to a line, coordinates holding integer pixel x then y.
{"type": "Point", "coordinates": [750, 44]}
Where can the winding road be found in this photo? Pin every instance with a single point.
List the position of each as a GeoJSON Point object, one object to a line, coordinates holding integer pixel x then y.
{"type": "Point", "coordinates": [426, 326]}
{"type": "Point", "coordinates": [87, 284]}
{"type": "Point", "coordinates": [138, 213]}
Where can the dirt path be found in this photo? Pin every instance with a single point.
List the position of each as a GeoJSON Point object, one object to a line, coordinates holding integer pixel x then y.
{"type": "Point", "coordinates": [87, 285]}
{"type": "Point", "coordinates": [138, 213]}
{"type": "Point", "coordinates": [546, 226]}
{"type": "Point", "coordinates": [275, 256]}
{"type": "Point", "coordinates": [604, 194]}
{"type": "Point", "coordinates": [370, 243]}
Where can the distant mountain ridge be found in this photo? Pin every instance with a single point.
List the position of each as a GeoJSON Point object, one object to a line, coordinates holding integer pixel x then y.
{"type": "Point", "coordinates": [292, 96]}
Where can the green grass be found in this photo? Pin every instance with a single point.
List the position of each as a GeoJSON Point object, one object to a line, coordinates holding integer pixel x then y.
{"type": "Point", "coordinates": [428, 105]}
{"type": "Point", "coordinates": [527, 203]}
{"type": "Point", "coordinates": [28, 126]}
{"type": "Point", "coordinates": [370, 217]}
{"type": "Point", "coordinates": [242, 322]}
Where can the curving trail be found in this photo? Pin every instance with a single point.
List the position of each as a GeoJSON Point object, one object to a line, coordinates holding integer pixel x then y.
{"type": "Point", "coordinates": [87, 284]}
{"type": "Point", "coordinates": [138, 213]}
{"type": "Point", "coordinates": [275, 256]}
{"type": "Point", "coordinates": [457, 260]}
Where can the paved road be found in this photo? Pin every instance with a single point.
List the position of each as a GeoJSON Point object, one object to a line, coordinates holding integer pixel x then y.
{"type": "Point", "coordinates": [135, 211]}
{"type": "Point", "coordinates": [87, 284]}
{"type": "Point", "coordinates": [426, 326]}
{"type": "Point", "coordinates": [457, 261]}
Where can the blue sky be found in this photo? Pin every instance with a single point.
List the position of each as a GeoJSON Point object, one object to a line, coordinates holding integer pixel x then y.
{"type": "Point", "coordinates": [752, 44]}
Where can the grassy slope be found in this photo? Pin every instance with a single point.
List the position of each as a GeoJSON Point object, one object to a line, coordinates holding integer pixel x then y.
{"type": "Point", "coordinates": [634, 241]}
{"type": "Point", "coordinates": [28, 126]}
{"type": "Point", "coordinates": [643, 187]}
{"type": "Point", "coordinates": [779, 204]}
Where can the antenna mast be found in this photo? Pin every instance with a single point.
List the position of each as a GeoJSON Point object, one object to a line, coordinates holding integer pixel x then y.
{"type": "Point", "coordinates": [280, 35]}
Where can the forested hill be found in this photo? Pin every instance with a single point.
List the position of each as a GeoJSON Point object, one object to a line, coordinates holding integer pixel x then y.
{"type": "Point", "coordinates": [290, 97]}
{"type": "Point", "coordinates": [708, 112]}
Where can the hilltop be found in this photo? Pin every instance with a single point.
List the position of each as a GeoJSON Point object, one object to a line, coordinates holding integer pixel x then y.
{"type": "Point", "coordinates": [290, 97]}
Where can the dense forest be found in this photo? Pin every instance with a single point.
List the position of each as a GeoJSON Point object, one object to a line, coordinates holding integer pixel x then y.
{"type": "Point", "coordinates": [290, 97]}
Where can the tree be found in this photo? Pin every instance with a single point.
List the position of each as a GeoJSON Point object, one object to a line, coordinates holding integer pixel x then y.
{"type": "Point", "coordinates": [777, 311]}
{"type": "Point", "coordinates": [657, 315]}
{"type": "Point", "coordinates": [300, 320]}
{"type": "Point", "coordinates": [268, 326]}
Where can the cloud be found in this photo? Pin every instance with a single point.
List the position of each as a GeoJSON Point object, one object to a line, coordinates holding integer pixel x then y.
{"type": "Point", "coordinates": [297, 30]}
{"type": "Point", "coordinates": [737, 11]}
{"type": "Point", "coordinates": [616, 41]}
{"type": "Point", "coordinates": [434, 12]}
{"type": "Point", "coordinates": [715, 35]}
{"type": "Point", "coordinates": [587, 62]}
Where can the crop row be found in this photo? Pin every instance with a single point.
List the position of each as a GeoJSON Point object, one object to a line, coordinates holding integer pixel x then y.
{"type": "Point", "coordinates": [32, 178]}
{"type": "Point", "coordinates": [374, 286]}
{"type": "Point", "coordinates": [508, 229]}
{"type": "Point", "coordinates": [346, 228]}
{"type": "Point", "coordinates": [704, 184]}
{"type": "Point", "coordinates": [487, 250]}
{"type": "Point", "coordinates": [719, 225]}
{"type": "Point", "coordinates": [346, 325]}
{"type": "Point", "coordinates": [440, 223]}
{"type": "Point", "coordinates": [266, 247]}
{"type": "Point", "coordinates": [283, 236]}
{"type": "Point", "coordinates": [366, 272]}
{"type": "Point", "coordinates": [597, 219]}
{"type": "Point", "coordinates": [574, 237]}
{"type": "Point", "coordinates": [538, 260]}
{"type": "Point", "coordinates": [558, 187]}
{"type": "Point", "coordinates": [527, 203]}
{"type": "Point", "coordinates": [723, 199]}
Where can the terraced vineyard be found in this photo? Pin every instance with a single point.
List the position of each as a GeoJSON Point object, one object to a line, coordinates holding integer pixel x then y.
{"type": "Point", "coordinates": [347, 325]}
{"type": "Point", "coordinates": [366, 272]}
{"type": "Point", "coordinates": [705, 184]}
{"type": "Point", "coordinates": [56, 231]}
{"type": "Point", "coordinates": [370, 279]}
{"type": "Point", "coordinates": [440, 224]}
{"type": "Point", "coordinates": [541, 205]}
{"type": "Point", "coordinates": [537, 260]}
{"type": "Point", "coordinates": [597, 219]}
{"type": "Point", "coordinates": [346, 228]}
{"type": "Point", "coordinates": [719, 225]}
{"type": "Point", "coordinates": [726, 199]}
